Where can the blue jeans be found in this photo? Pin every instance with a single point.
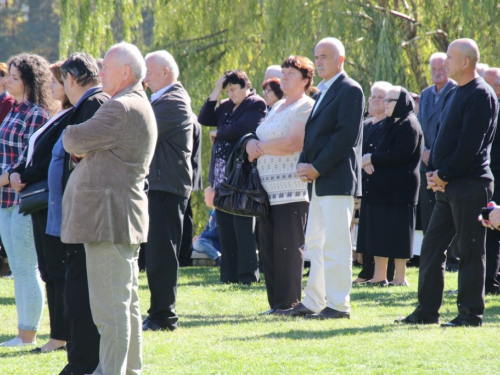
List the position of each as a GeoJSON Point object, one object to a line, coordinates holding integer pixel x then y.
{"type": "Point", "coordinates": [17, 235]}
{"type": "Point", "coordinates": [203, 245]}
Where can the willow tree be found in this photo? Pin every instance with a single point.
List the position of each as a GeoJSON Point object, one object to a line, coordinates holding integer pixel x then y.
{"type": "Point", "coordinates": [385, 40]}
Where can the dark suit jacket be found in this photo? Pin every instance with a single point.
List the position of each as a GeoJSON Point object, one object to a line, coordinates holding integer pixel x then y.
{"type": "Point", "coordinates": [333, 139]}
{"type": "Point", "coordinates": [42, 153]}
{"type": "Point", "coordinates": [429, 114]}
{"type": "Point", "coordinates": [196, 157]}
{"type": "Point", "coordinates": [82, 113]}
{"type": "Point", "coordinates": [170, 169]}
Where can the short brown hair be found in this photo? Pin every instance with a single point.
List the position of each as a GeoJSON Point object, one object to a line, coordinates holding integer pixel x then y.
{"type": "Point", "coordinates": [55, 68]}
{"type": "Point", "coordinates": [236, 77]}
{"type": "Point", "coordinates": [275, 85]}
{"type": "Point", "coordinates": [303, 65]}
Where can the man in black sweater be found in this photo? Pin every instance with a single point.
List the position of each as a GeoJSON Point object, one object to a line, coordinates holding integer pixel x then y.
{"type": "Point", "coordinates": [460, 174]}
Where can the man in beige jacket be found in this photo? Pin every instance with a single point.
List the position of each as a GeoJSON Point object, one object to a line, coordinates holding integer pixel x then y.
{"type": "Point", "coordinates": [105, 207]}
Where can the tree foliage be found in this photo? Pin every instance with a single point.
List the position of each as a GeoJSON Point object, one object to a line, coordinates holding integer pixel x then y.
{"type": "Point", "coordinates": [385, 40]}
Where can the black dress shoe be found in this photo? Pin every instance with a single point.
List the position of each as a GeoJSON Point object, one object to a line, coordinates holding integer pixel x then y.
{"type": "Point", "coordinates": [150, 326]}
{"type": "Point", "coordinates": [413, 319]}
{"type": "Point", "coordinates": [297, 310]}
{"type": "Point", "coordinates": [268, 312]}
{"type": "Point", "coordinates": [459, 322]}
{"type": "Point", "coordinates": [329, 313]}
{"type": "Point", "coordinates": [39, 350]}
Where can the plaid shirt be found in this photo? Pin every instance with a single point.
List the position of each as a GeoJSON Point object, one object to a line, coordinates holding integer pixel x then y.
{"type": "Point", "coordinates": [22, 121]}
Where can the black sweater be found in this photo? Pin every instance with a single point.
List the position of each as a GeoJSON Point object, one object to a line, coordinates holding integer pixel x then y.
{"type": "Point", "coordinates": [466, 131]}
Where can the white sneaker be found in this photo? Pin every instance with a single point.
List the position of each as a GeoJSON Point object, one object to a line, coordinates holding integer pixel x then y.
{"type": "Point", "coordinates": [16, 341]}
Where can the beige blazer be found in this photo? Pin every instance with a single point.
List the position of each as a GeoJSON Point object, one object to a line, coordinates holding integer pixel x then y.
{"type": "Point", "coordinates": [104, 199]}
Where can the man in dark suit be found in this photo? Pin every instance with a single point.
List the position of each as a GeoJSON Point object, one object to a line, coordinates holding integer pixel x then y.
{"type": "Point", "coordinates": [170, 184]}
{"type": "Point", "coordinates": [187, 229]}
{"type": "Point", "coordinates": [431, 101]}
{"type": "Point", "coordinates": [331, 163]}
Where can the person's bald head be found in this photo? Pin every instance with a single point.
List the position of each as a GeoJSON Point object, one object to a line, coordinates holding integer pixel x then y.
{"type": "Point", "coordinates": [329, 56]}
{"type": "Point", "coordinates": [492, 78]}
{"type": "Point", "coordinates": [461, 60]}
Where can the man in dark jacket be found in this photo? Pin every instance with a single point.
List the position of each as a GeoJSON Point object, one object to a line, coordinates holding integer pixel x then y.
{"type": "Point", "coordinates": [81, 84]}
{"type": "Point", "coordinates": [170, 184]}
{"type": "Point", "coordinates": [459, 171]}
{"type": "Point", "coordinates": [331, 162]}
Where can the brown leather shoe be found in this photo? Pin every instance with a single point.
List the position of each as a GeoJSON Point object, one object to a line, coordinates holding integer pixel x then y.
{"type": "Point", "coordinates": [297, 310]}
{"type": "Point", "coordinates": [329, 313]}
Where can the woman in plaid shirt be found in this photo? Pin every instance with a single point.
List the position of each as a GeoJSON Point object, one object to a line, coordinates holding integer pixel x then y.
{"type": "Point", "coordinates": [28, 82]}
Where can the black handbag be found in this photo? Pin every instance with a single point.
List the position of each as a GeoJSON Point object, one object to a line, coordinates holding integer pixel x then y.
{"type": "Point", "coordinates": [242, 193]}
{"type": "Point", "coordinates": [34, 197]}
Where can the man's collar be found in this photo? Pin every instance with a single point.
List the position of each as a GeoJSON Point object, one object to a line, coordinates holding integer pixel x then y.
{"type": "Point", "coordinates": [442, 88]}
{"type": "Point", "coordinates": [87, 94]}
{"type": "Point", "coordinates": [325, 85]}
{"type": "Point", "coordinates": [157, 95]}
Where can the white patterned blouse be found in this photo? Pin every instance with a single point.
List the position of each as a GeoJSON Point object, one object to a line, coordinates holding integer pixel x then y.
{"type": "Point", "coordinates": [277, 173]}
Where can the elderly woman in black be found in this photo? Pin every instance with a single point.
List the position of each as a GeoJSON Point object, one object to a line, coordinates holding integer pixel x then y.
{"type": "Point", "coordinates": [390, 194]}
{"type": "Point", "coordinates": [236, 116]}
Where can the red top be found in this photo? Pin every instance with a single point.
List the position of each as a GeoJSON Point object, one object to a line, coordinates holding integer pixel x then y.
{"type": "Point", "coordinates": [6, 102]}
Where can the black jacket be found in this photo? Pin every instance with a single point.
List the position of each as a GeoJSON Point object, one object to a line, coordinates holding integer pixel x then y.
{"type": "Point", "coordinates": [333, 139]}
{"type": "Point", "coordinates": [196, 158]}
{"type": "Point", "coordinates": [85, 111]}
{"type": "Point", "coordinates": [231, 126]}
{"type": "Point", "coordinates": [42, 153]}
{"type": "Point", "coordinates": [396, 158]}
{"type": "Point", "coordinates": [170, 169]}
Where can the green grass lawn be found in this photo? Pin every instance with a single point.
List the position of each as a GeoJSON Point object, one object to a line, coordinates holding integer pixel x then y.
{"type": "Point", "coordinates": [221, 332]}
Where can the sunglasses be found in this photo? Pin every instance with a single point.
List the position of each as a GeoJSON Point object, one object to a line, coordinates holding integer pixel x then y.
{"type": "Point", "coordinates": [388, 100]}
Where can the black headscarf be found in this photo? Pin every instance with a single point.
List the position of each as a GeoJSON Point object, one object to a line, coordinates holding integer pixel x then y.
{"type": "Point", "coordinates": [404, 106]}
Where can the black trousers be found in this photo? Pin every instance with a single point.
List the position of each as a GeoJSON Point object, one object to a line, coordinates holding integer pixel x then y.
{"type": "Point", "coordinates": [237, 239]}
{"type": "Point", "coordinates": [282, 239]}
{"type": "Point", "coordinates": [51, 255]}
{"type": "Point", "coordinates": [426, 201]}
{"type": "Point", "coordinates": [492, 283]}
{"type": "Point", "coordinates": [455, 214]}
{"type": "Point", "coordinates": [187, 237]}
{"type": "Point", "coordinates": [83, 342]}
{"type": "Point", "coordinates": [166, 214]}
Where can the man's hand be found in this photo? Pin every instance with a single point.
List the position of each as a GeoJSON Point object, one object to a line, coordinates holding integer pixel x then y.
{"type": "Point", "coordinates": [15, 182]}
{"type": "Point", "coordinates": [425, 156]}
{"type": "Point", "coordinates": [434, 182]}
{"type": "Point", "coordinates": [306, 172]}
{"type": "Point", "coordinates": [494, 221]}
{"type": "Point", "coordinates": [253, 150]}
{"type": "Point", "coordinates": [369, 168]}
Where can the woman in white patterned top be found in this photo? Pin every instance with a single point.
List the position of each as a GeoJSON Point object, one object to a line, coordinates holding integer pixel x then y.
{"type": "Point", "coordinates": [281, 138]}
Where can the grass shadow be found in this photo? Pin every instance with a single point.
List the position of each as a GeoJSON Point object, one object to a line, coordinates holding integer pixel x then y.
{"type": "Point", "coordinates": [7, 301]}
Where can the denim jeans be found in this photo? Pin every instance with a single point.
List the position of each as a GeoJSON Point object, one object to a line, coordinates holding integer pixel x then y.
{"type": "Point", "coordinates": [204, 245]}
{"type": "Point", "coordinates": [17, 235]}
{"type": "Point", "coordinates": [112, 272]}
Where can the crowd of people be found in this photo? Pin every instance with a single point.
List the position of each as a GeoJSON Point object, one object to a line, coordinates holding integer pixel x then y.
{"type": "Point", "coordinates": [120, 169]}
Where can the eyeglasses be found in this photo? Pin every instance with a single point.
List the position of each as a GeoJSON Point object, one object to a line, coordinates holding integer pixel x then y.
{"type": "Point", "coordinates": [388, 100]}
{"type": "Point", "coordinates": [266, 91]}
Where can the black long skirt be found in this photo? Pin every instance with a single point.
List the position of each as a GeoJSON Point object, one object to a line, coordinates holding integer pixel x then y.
{"type": "Point", "coordinates": [386, 231]}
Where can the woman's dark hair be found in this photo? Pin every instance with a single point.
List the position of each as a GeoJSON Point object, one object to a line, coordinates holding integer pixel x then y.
{"type": "Point", "coordinates": [274, 85]}
{"type": "Point", "coordinates": [3, 69]}
{"type": "Point", "coordinates": [36, 76]}
{"type": "Point", "coordinates": [56, 72]}
{"type": "Point", "coordinates": [83, 68]}
{"type": "Point", "coordinates": [236, 77]}
{"type": "Point", "coordinates": [302, 64]}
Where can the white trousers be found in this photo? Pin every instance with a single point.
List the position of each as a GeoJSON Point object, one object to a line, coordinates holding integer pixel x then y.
{"type": "Point", "coordinates": [329, 249]}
